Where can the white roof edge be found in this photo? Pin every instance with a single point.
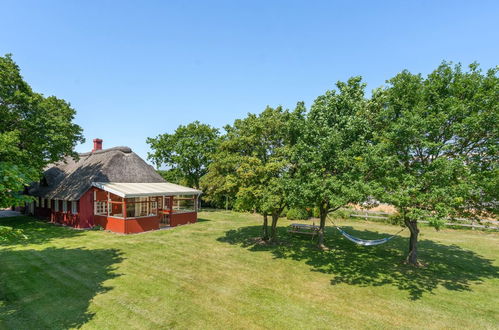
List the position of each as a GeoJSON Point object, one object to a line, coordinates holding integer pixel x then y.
{"type": "Point", "coordinates": [107, 186]}
{"type": "Point", "coordinates": [102, 186]}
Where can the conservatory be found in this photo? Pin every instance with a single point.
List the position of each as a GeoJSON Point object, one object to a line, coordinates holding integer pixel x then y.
{"type": "Point", "coordinates": [137, 207]}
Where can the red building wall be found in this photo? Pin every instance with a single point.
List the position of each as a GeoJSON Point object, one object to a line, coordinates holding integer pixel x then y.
{"type": "Point", "coordinates": [108, 223]}
{"type": "Point", "coordinates": [141, 224]}
{"type": "Point", "coordinates": [177, 219]}
{"type": "Point", "coordinates": [86, 209]}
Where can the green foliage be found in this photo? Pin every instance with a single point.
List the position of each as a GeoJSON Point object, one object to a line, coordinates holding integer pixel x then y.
{"type": "Point", "coordinates": [332, 151]}
{"type": "Point", "coordinates": [173, 175]}
{"type": "Point", "coordinates": [332, 171]}
{"type": "Point", "coordinates": [251, 165]}
{"type": "Point", "coordinates": [297, 214]}
{"type": "Point", "coordinates": [437, 141]}
{"type": "Point", "coordinates": [187, 152]}
{"type": "Point", "coordinates": [316, 212]}
{"type": "Point", "coordinates": [8, 234]}
{"type": "Point", "coordinates": [34, 131]}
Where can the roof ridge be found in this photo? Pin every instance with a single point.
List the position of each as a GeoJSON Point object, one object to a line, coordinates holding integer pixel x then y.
{"type": "Point", "coordinates": [123, 149]}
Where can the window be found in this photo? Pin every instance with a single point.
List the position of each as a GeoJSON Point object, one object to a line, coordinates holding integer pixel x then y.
{"type": "Point", "coordinates": [42, 202]}
{"type": "Point", "coordinates": [49, 206]}
{"type": "Point", "coordinates": [184, 204]}
{"type": "Point", "coordinates": [74, 207]}
{"type": "Point", "coordinates": [141, 207]}
{"type": "Point", "coordinates": [100, 208]}
{"type": "Point", "coordinates": [116, 210]}
{"type": "Point", "coordinates": [166, 202]}
{"type": "Point", "coordinates": [64, 206]}
{"type": "Point", "coordinates": [56, 205]}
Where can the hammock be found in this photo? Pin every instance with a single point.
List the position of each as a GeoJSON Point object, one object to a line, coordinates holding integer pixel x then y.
{"type": "Point", "coordinates": [364, 242]}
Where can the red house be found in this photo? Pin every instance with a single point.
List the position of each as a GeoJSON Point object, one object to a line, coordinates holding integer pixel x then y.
{"type": "Point", "coordinates": [113, 188]}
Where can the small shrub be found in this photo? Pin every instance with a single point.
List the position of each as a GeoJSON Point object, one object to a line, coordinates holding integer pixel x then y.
{"type": "Point", "coordinates": [8, 234]}
{"type": "Point", "coordinates": [297, 214]}
{"type": "Point", "coordinates": [340, 214]}
{"type": "Point", "coordinates": [98, 227]}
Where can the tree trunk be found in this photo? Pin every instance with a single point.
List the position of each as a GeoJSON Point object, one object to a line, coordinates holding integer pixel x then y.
{"type": "Point", "coordinates": [273, 229]}
{"type": "Point", "coordinates": [412, 257]}
{"type": "Point", "coordinates": [323, 215]}
{"type": "Point", "coordinates": [265, 229]}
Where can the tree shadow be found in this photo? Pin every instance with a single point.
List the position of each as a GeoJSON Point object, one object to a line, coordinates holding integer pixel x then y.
{"type": "Point", "coordinates": [36, 231]}
{"type": "Point", "coordinates": [52, 288]}
{"type": "Point", "coordinates": [450, 267]}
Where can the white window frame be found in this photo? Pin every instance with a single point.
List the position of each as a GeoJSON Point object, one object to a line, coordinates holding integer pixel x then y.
{"type": "Point", "coordinates": [74, 207]}
{"type": "Point", "coordinates": [64, 206]}
{"type": "Point", "coordinates": [101, 208]}
{"type": "Point", "coordinates": [56, 205]}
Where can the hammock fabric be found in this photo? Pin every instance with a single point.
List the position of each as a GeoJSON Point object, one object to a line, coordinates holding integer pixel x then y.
{"type": "Point", "coordinates": [364, 242]}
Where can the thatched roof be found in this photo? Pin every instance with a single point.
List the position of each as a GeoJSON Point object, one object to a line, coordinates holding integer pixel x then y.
{"type": "Point", "coordinates": [70, 179]}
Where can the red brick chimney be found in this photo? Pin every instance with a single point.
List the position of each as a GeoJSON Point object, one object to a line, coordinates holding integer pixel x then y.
{"type": "Point", "coordinates": [97, 145]}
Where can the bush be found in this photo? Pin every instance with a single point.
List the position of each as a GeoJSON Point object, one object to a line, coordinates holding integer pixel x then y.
{"type": "Point", "coordinates": [297, 214]}
{"type": "Point", "coordinates": [340, 214]}
{"type": "Point", "coordinates": [10, 234]}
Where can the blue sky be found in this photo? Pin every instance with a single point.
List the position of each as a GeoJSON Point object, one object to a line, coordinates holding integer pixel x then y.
{"type": "Point", "coordinates": [135, 69]}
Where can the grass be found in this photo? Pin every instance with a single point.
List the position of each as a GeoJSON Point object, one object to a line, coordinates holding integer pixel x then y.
{"type": "Point", "coordinates": [212, 275]}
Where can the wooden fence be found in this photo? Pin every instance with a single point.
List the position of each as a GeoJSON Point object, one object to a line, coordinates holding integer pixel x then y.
{"type": "Point", "coordinates": [461, 222]}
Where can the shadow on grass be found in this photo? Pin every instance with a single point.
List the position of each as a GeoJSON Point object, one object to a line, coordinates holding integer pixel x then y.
{"type": "Point", "coordinates": [448, 266]}
{"type": "Point", "coordinates": [202, 220]}
{"type": "Point", "coordinates": [52, 288]}
{"type": "Point", "coordinates": [37, 231]}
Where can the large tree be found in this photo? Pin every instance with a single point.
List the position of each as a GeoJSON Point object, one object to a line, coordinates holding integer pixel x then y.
{"type": "Point", "coordinates": [34, 131]}
{"type": "Point", "coordinates": [333, 150]}
{"type": "Point", "coordinates": [253, 163]}
{"type": "Point", "coordinates": [187, 152]}
{"type": "Point", "coordinates": [437, 139]}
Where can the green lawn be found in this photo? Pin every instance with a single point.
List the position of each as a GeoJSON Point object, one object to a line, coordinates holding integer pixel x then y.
{"type": "Point", "coordinates": [211, 275]}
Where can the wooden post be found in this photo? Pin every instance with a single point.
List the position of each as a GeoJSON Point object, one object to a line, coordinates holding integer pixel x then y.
{"type": "Point", "coordinates": [107, 203]}
{"type": "Point", "coordinates": [124, 207]}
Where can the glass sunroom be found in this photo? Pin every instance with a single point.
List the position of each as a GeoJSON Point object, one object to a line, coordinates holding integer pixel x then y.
{"type": "Point", "coordinates": [137, 207]}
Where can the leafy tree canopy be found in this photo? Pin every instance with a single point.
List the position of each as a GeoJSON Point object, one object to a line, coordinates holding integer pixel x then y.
{"type": "Point", "coordinates": [34, 131]}
{"type": "Point", "coordinates": [333, 150]}
{"type": "Point", "coordinates": [437, 142]}
{"type": "Point", "coordinates": [188, 151]}
{"type": "Point", "coordinates": [253, 162]}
